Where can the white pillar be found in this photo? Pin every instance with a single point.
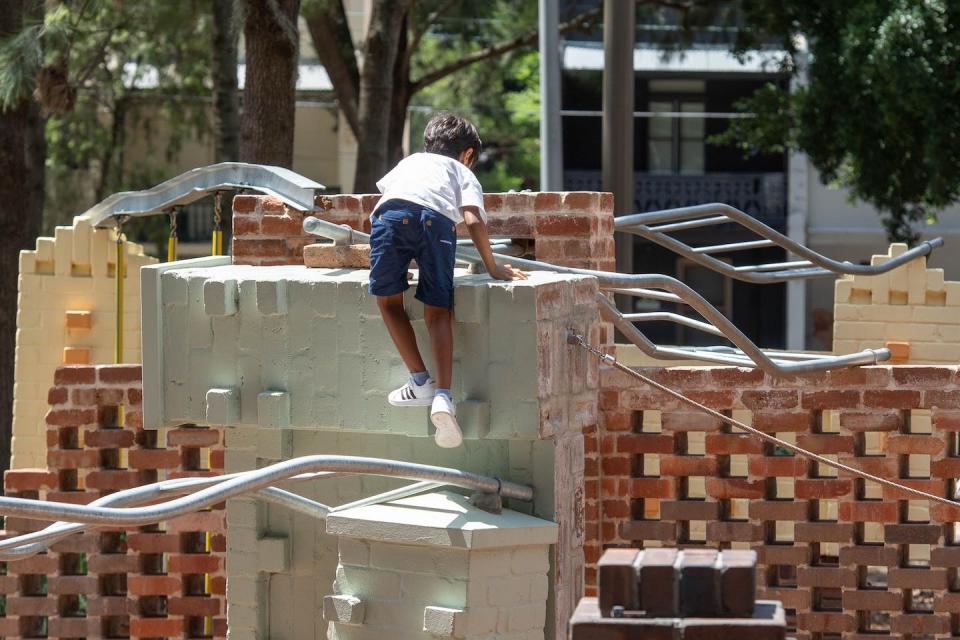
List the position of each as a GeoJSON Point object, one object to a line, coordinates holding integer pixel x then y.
{"type": "Point", "coordinates": [798, 208]}
{"type": "Point", "coordinates": [551, 136]}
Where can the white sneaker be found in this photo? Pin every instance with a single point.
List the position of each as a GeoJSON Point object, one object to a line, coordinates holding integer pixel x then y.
{"type": "Point", "coordinates": [444, 417]}
{"type": "Point", "coordinates": [412, 394]}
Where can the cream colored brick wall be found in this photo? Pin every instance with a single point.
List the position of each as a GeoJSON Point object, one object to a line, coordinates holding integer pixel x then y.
{"type": "Point", "coordinates": [71, 272]}
{"type": "Point", "coordinates": [910, 309]}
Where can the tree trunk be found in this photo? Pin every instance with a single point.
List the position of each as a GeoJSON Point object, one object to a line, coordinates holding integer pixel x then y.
{"type": "Point", "coordinates": [400, 101]}
{"type": "Point", "coordinates": [226, 111]}
{"type": "Point", "coordinates": [269, 96]}
{"type": "Point", "coordinates": [376, 92]}
{"type": "Point", "coordinates": [22, 156]}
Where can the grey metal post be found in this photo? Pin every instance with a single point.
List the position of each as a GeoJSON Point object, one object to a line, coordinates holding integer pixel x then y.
{"type": "Point", "coordinates": [551, 136]}
{"type": "Point", "coordinates": [619, 28]}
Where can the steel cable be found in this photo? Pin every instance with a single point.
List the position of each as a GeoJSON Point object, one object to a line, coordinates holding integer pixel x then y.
{"type": "Point", "coordinates": [610, 360]}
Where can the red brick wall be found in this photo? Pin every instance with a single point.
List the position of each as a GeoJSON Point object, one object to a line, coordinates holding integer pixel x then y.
{"type": "Point", "coordinates": [843, 556]}
{"type": "Point", "coordinates": [151, 582]}
{"type": "Point", "coordinates": [572, 229]}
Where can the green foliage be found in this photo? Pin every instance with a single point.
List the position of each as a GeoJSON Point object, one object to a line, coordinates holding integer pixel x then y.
{"type": "Point", "coordinates": [135, 68]}
{"type": "Point", "coordinates": [501, 96]}
{"type": "Point", "coordinates": [881, 111]}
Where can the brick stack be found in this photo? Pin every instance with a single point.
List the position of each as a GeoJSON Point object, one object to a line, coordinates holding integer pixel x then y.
{"type": "Point", "coordinates": [843, 555]}
{"type": "Point", "coordinates": [681, 595]}
{"type": "Point", "coordinates": [158, 581]}
{"type": "Point", "coordinates": [573, 229]}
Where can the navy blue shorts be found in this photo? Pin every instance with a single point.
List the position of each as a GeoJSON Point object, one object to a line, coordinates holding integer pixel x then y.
{"type": "Point", "coordinates": [403, 231]}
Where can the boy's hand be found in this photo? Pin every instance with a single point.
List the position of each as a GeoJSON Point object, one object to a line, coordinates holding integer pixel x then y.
{"type": "Point", "coordinates": [507, 272]}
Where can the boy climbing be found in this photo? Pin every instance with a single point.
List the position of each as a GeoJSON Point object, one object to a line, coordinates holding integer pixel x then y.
{"type": "Point", "coordinates": [424, 197]}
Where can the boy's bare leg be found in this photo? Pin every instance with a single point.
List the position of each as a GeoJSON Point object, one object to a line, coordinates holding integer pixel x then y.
{"type": "Point", "coordinates": [401, 331]}
{"type": "Point", "coordinates": [440, 327]}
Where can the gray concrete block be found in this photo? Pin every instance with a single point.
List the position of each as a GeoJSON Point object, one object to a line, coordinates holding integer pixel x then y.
{"type": "Point", "coordinates": [344, 609]}
{"type": "Point", "coordinates": [220, 297]}
{"type": "Point", "coordinates": [223, 407]}
{"type": "Point", "coordinates": [273, 409]}
{"type": "Point", "coordinates": [474, 418]}
{"type": "Point", "coordinates": [272, 297]}
{"type": "Point", "coordinates": [274, 554]}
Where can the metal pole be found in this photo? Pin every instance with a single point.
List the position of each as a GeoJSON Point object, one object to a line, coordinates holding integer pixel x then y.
{"type": "Point", "coordinates": [619, 26]}
{"type": "Point", "coordinates": [551, 135]}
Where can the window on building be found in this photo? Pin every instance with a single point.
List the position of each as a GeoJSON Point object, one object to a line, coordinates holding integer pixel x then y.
{"type": "Point", "coordinates": [675, 141]}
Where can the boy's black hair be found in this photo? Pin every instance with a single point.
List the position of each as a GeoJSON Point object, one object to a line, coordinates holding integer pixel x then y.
{"type": "Point", "coordinates": [450, 135]}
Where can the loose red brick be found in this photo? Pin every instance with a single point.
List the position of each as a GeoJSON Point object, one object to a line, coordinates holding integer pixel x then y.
{"type": "Point", "coordinates": [75, 374]}
{"type": "Point", "coordinates": [891, 399]}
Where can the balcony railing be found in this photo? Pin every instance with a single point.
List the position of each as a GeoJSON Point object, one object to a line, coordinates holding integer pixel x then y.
{"type": "Point", "coordinates": [762, 195]}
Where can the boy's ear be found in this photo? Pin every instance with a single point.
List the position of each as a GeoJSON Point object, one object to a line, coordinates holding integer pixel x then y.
{"type": "Point", "coordinates": [467, 157]}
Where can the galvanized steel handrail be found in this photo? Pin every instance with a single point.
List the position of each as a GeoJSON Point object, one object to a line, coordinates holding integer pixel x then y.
{"type": "Point", "coordinates": [255, 480]}
{"type": "Point", "coordinates": [813, 265]}
{"type": "Point", "coordinates": [291, 188]}
{"type": "Point", "coordinates": [644, 285]}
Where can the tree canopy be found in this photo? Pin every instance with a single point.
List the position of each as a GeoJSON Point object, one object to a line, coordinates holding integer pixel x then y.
{"type": "Point", "coordinates": [880, 110]}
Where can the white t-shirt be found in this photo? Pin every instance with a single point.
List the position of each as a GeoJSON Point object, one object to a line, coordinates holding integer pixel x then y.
{"type": "Point", "coordinates": [434, 181]}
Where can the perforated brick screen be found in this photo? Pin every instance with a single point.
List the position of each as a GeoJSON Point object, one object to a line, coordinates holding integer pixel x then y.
{"type": "Point", "coordinates": [844, 555]}
{"type": "Point", "coordinates": [164, 581]}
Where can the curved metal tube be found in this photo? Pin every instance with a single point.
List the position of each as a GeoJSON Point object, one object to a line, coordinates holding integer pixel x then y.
{"type": "Point", "coordinates": [35, 542]}
{"type": "Point", "coordinates": [641, 285]}
{"type": "Point", "coordinates": [814, 265]}
{"type": "Point", "coordinates": [657, 316]}
{"type": "Point", "coordinates": [292, 188]}
{"type": "Point", "coordinates": [252, 481]}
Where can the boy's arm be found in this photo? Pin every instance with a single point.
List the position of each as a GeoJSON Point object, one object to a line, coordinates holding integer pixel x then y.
{"type": "Point", "coordinates": [481, 242]}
